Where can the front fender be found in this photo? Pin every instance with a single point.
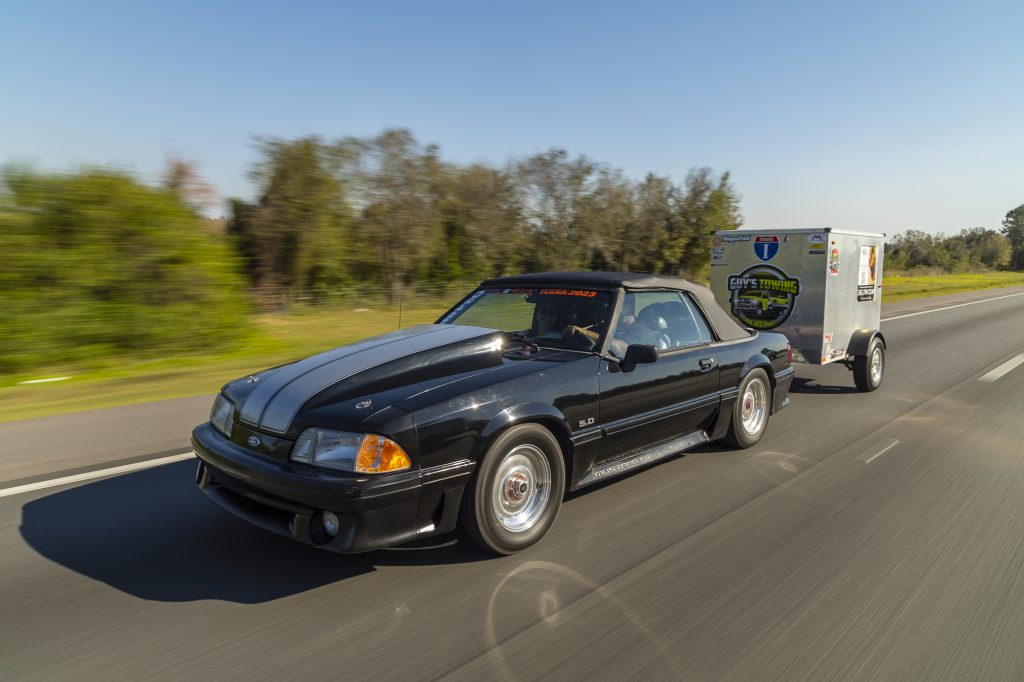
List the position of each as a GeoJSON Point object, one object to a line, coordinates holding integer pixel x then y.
{"type": "Point", "coordinates": [523, 412]}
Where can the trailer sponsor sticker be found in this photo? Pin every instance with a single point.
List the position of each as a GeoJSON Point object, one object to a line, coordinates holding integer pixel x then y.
{"type": "Point", "coordinates": [817, 243]}
{"type": "Point", "coordinates": [730, 238]}
{"type": "Point", "coordinates": [833, 262]}
{"type": "Point", "coordinates": [766, 246]}
{"type": "Point", "coordinates": [868, 265]}
{"type": "Point", "coordinates": [762, 296]}
{"type": "Point", "coordinates": [828, 337]}
{"type": "Point", "coordinates": [867, 273]}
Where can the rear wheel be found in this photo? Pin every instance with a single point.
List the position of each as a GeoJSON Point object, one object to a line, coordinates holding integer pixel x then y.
{"type": "Point", "coordinates": [868, 369]}
{"type": "Point", "coordinates": [516, 490]}
{"type": "Point", "coordinates": [750, 413]}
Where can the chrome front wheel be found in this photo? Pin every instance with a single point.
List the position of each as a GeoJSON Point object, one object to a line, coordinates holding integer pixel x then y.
{"type": "Point", "coordinates": [522, 488]}
{"type": "Point", "coordinates": [516, 490]}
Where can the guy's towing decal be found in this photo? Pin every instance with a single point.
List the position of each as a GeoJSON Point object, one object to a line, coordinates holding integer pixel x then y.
{"type": "Point", "coordinates": [763, 296]}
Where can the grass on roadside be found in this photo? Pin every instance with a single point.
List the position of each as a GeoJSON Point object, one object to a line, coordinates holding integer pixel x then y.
{"type": "Point", "coordinates": [901, 287]}
{"type": "Point", "coordinates": [279, 339]}
{"type": "Point", "coordinates": [282, 338]}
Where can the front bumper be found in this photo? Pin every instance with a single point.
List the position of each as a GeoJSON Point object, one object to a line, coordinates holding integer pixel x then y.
{"type": "Point", "coordinates": [290, 498]}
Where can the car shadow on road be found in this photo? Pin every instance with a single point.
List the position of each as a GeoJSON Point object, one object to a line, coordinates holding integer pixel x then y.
{"type": "Point", "coordinates": [813, 387]}
{"type": "Point", "coordinates": [153, 535]}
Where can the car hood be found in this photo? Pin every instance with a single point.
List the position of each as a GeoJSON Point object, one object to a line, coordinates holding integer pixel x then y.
{"type": "Point", "coordinates": [269, 400]}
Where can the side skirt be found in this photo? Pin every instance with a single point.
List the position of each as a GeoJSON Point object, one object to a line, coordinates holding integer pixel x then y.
{"type": "Point", "coordinates": [635, 460]}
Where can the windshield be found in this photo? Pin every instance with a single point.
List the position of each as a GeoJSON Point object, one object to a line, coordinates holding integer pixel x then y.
{"type": "Point", "coordinates": [555, 317]}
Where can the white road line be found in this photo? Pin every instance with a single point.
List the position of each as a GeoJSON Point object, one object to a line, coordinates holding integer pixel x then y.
{"type": "Point", "coordinates": [42, 381]}
{"type": "Point", "coordinates": [1002, 369]}
{"type": "Point", "coordinates": [950, 307]}
{"type": "Point", "coordinates": [878, 454]}
{"type": "Point", "coordinates": [89, 475]}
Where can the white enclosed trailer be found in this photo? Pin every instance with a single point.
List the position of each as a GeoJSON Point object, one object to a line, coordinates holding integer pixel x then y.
{"type": "Point", "coordinates": [822, 288]}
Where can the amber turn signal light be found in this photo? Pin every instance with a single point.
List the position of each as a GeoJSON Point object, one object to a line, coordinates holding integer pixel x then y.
{"type": "Point", "coordinates": [378, 454]}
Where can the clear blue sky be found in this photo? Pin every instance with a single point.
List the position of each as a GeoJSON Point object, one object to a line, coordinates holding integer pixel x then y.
{"type": "Point", "coordinates": [879, 116]}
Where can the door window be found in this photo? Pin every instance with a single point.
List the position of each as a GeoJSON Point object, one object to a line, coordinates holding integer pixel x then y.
{"type": "Point", "coordinates": [663, 319]}
{"type": "Point", "coordinates": [698, 318]}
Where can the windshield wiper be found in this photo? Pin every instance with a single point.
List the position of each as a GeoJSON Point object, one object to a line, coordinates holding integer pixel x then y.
{"type": "Point", "coordinates": [518, 345]}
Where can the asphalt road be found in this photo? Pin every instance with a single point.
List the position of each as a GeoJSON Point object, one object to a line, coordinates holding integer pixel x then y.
{"type": "Point", "coordinates": [868, 536]}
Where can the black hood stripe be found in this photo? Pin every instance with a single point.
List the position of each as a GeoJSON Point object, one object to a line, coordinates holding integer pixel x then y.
{"type": "Point", "coordinates": [282, 398]}
{"type": "Point", "coordinates": [256, 402]}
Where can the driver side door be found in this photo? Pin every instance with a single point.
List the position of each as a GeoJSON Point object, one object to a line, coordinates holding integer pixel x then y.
{"type": "Point", "coordinates": [665, 399]}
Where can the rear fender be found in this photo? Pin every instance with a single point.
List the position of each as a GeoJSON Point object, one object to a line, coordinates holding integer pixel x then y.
{"type": "Point", "coordinates": [759, 360]}
{"type": "Point", "coordinates": [731, 394]}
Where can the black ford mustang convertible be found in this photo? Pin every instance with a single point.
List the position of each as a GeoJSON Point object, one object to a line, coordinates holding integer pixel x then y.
{"type": "Point", "coordinates": [531, 386]}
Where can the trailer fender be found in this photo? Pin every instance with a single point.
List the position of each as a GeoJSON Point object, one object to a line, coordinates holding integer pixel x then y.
{"type": "Point", "coordinates": [861, 341]}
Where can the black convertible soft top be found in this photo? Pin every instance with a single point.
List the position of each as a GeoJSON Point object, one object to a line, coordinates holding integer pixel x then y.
{"type": "Point", "coordinates": [724, 325]}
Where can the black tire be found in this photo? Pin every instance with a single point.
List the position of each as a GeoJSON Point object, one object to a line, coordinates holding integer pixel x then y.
{"type": "Point", "coordinates": [866, 373]}
{"type": "Point", "coordinates": [751, 411]}
{"type": "Point", "coordinates": [523, 466]}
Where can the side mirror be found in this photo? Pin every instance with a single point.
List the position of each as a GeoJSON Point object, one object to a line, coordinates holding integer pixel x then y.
{"type": "Point", "coordinates": [637, 353]}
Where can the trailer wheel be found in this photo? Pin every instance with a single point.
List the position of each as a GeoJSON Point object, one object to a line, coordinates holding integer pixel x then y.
{"type": "Point", "coordinates": [750, 413]}
{"type": "Point", "coordinates": [868, 369]}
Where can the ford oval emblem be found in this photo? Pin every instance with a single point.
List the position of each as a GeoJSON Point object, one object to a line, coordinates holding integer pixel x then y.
{"type": "Point", "coordinates": [253, 441]}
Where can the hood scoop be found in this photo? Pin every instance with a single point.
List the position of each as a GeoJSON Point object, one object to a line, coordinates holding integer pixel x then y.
{"type": "Point", "coordinates": [277, 398]}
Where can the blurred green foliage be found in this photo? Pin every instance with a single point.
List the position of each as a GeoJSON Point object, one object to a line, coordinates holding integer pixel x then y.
{"type": "Point", "coordinates": [95, 264]}
{"type": "Point", "coordinates": [973, 250]}
{"type": "Point", "coordinates": [97, 267]}
{"type": "Point", "coordinates": [378, 214]}
{"type": "Point", "coordinates": [1013, 230]}
{"type": "Point", "coordinates": [100, 268]}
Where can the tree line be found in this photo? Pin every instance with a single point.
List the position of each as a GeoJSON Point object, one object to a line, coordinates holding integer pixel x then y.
{"type": "Point", "coordinates": [98, 265]}
{"type": "Point", "coordinates": [386, 210]}
{"type": "Point", "coordinates": [971, 250]}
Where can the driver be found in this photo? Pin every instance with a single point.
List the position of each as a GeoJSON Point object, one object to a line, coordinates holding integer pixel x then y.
{"type": "Point", "coordinates": [589, 334]}
{"type": "Point", "coordinates": [545, 323]}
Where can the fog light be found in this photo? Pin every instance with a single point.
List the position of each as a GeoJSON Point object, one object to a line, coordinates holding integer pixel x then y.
{"type": "Point", "coordinates": [330, 523]}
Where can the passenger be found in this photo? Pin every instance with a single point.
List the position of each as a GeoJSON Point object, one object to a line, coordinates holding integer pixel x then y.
{"type": "Point", "coordinates": [625, 330]}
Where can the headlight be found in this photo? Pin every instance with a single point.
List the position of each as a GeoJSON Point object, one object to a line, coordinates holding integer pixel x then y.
{"type": "Point", "coordinates": [222, 415]}
{"type": "Point", "coordinates": [355, 452]}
